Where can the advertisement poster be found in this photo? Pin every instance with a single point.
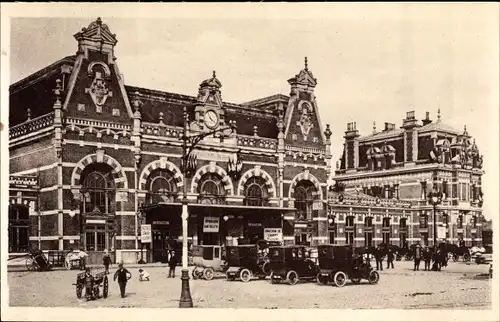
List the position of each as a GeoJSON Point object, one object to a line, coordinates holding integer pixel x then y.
{"type": "Point", "coordinates": [211, 225]}
{"type": "Point", "coordinates": [273, 234]}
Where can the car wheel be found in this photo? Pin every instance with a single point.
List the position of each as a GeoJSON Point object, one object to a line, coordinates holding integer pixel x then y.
{"type": "Point", "coordinates": [292, 277]}
{"type": "Point", "coordinates": [245, 275]}
{"type": "Point", "coordinates": [322, 280]}
{"type": "Point", "coordinates": [265, 269]}
{"type": "Point", "coordinates": [373, 277]}
{"type": "Point", "coordinates": [229, 277]}
{"type": "Point", "coordinates": [208, 273]}
{"type": "Point", "coordinates": [340, 279]}
{"type": "Point", "coordinates": [194, 273]}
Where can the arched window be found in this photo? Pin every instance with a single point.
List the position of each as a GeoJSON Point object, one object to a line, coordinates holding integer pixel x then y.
{"type": "Point", "coordinates": [162, 187]}
{"type": "Point", "coordinates": [368, 222]}
{"type": "Point", "coordinates": [304, 199]}
{"type": "Point", "coordinates": [402, 223]}
{"type": "Point", "coordinates": [98, 189]}
{"type": "Point", "coordinates": [256, 193]}
{"type": "Point", "coordinates": [211, 189]}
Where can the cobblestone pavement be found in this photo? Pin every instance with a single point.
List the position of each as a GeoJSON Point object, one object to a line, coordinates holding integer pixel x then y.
{"type": "Point", "coordinates": [457, 286]}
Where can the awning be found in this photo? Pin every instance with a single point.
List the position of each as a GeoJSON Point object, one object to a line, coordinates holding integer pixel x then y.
{"type": "Point", "coordinates": [240, 210]}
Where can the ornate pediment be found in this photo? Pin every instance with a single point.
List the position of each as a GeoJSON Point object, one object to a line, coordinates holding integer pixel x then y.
{"type": "Point", "coordinates": [97, 31]}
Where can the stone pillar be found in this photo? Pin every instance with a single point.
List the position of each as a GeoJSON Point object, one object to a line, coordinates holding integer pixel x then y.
{"type": "Point", "coordinates": [288, 229]}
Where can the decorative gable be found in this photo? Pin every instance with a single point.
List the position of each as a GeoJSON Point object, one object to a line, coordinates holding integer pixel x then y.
{"type": "Point", "coordinates": [95, 89]}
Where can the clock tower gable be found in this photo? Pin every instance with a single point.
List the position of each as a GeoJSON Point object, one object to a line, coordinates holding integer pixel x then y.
{"type": "Point", "coordinates": [209, 108]}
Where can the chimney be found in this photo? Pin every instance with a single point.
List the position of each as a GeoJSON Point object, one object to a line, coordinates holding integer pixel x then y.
{"type": "Point", "coordinates": [351, 130]}
{"type": "Point", "coordinates": [427, 120]}
{"type": "Point", "coordinates": [389, 126]}
{"type": "Point", "coordinates": [410, 121]}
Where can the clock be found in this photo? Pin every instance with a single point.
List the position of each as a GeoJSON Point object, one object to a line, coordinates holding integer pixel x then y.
{"type": "Point", "coordinates": [211, 119]}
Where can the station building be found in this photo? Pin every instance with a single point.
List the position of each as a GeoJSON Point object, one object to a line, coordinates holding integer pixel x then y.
{"type": "Point", "coordinates": [400, 166]}
{"type": "Point", "coordinates": [93, 159]}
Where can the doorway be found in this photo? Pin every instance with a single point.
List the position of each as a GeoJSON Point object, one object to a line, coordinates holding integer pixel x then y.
{"type": "Point", "coordinates": [160, 246]}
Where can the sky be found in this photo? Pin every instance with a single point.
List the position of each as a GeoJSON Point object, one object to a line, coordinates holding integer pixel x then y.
{"type": "Point", "coordinates": [373, 62]}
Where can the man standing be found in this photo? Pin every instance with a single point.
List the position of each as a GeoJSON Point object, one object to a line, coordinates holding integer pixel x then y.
{"type": "Point", "coordinates": [123, 275]}
{"type": "Point", "coordinates": [390, 257]}
{"type": "Point", "coordinates": [418, 256]}
{"type": "Point", "coordinates": [106, 260]}
{"type": "Point", "coordinates": [82, 257]}
{"type": "Point", "coordinates": [378, 258]}
{"type": "Point", "coordinates": [427, 259]}
{"type": "Point", "coordinates": [172, 263]}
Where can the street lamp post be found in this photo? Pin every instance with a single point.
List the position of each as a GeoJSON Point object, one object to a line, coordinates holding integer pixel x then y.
{"type": "Point", "coordinates": [186, 301]}
{"type": "Point", "coordinates": [435, 198]}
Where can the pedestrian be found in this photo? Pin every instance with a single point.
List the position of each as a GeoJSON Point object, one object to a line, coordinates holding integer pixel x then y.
{"type": "Point", "coordinates": [379, 258]}
{"type": "Point", "coordinates": [143, 275]}
{"type": "Point", "coordinates": [89, 285]}
{"type": "Point", "coordinates": [390, 257]}
{"type": "Point", "coordinates": [123, 275]}
{"type": "Point", "coordinates": [427, 258]}
{"type": "Point", "coordinates": [418, 256]}
{"type": "Point", "coordinates": [106, 260]}
{"type": "Point", "coordinates": [82, 258]}
{"type": "Point", "coordinates": [172, 263]}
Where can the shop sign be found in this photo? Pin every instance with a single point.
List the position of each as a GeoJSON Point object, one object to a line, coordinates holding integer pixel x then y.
{"type": "Point", "coordinates": [254, 224]}
{"type": "Point", "coordinates": [441, 232]}
{"type": "Point", "coordinates": [318, 205]}
{"type": "Point", "coordinates": [145, 233]}
{"type": "Point", "coordinates": [160, 222]}
{"type": "Point", "coordinates": [211, 225]}
{"type": "Point", "coordinates": [273, 234]}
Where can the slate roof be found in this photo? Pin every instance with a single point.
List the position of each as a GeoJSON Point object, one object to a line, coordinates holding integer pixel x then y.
{"type": "Point", "coordinates": [36, 93]}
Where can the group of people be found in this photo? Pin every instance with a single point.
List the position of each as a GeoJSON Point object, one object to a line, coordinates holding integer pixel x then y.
{"type": "Point", "coordinates": [122, 275]}
{"type": "Point", "coordinates": [427, 255]}
{"type": "Point", "coordinates": [379, 257]}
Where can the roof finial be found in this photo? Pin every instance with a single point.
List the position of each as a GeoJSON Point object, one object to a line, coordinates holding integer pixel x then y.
{"type": "Point", "coordinates": [305, 63]}
{"type": "Point", "coordinates": [374, 127]}
{"type": "Point", "coordinates": [213, 74]}
{"type": "Point", "coordinates": [439, 115]}
{"type": "Point", "coordinates": [465, 130]}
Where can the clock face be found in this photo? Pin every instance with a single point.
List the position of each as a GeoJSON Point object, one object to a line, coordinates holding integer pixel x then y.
{"type": "Point", "coordinates": [211, 119]}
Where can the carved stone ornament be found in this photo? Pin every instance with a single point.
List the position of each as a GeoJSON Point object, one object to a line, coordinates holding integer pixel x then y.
{"type": "Point", "coordinates": [305, 121]}
{"type": "Point", "coordinates": [98, 90]}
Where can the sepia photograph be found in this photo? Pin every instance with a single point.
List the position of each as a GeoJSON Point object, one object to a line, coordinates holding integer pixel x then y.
{"type": "Point", "coordinates": [333, 161]}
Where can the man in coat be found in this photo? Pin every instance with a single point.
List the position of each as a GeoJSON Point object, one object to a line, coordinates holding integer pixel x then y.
{"type": "Point", "coordinates": [418, 256]}
{"type": "Point", "coordinates": [390, 257]}
{"type": "Point", "coordinates": [172, 263]}
{"type": "Point", "coordinates": [123, 275]}
{"type": "Point", "coordinates": [378, 258]}
{"type": "Point", "coordinates": [427, 255]}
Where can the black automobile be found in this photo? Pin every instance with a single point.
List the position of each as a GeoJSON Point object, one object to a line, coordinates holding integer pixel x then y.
{"type": "Point", "coordinates": [246, 261]}
{"type": "Point", "coordinates": [291, 264]}
{"type": "Point", "coordinates": [338, 263]}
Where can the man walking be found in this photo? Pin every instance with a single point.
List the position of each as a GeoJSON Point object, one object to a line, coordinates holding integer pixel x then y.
{"type": "Point", "coordinates": [418, 256]}
{"type": "Point", "coordinates": [390, 257]}
{"type": "Point", "coordinates": [123, 275]}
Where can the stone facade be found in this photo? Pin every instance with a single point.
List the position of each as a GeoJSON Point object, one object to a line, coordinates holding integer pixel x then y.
{"type": "Point", "coordinates": [410, 162]}
{"type": "Point", "coordinates": [101, 151]}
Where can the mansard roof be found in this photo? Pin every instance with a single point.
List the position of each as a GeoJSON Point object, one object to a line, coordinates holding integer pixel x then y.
{"type": "Point", "coordinates": [172, 105]}
{"type": "Point", "coordinates": [35, 91]}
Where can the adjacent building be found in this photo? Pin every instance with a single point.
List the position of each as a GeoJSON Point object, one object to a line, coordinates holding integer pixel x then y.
{"type": "Point", "coordinates": [92, 159]}
{"type": "Point", "coordinates": [406, 164]}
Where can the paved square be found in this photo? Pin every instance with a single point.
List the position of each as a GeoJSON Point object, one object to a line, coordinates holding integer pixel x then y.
{"type": "Point", "coordinates": [457, 286]}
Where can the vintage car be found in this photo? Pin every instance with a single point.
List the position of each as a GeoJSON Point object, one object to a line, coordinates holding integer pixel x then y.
{"type": "Point", "coordinates": [207, 260]}
{"type": "Point", "coordinates": [291, 263]}
{"type": "Point", "coordinates": [337, 263]}
{"type": "Point", "coordinates": [244, 262]}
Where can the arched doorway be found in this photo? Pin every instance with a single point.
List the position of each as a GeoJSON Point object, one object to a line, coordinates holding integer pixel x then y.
{"type": "Point", "coordinates": [165, 225]}
{"type": "Point", "coordinates": [304, 194]}
{"type": "Point", "coordinates": [211, 191]}
{"type": "Point", "coordinates": [98, 210]}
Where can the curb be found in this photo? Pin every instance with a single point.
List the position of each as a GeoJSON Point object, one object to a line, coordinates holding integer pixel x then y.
{"type": "Point", "coordinates": [20, 268]}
